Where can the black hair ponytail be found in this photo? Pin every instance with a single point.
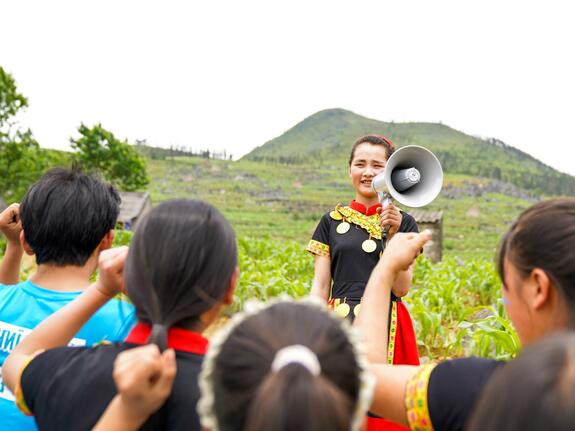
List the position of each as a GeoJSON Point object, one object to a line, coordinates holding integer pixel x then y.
{"type": "Point", "coordinates": [159, 336]}
{"type": "Point", "coordinates": [180, 264]}
{"type": "Point", "coordinates": [294, 399]}
{"type": "Point", "coordinates": [250, 395]}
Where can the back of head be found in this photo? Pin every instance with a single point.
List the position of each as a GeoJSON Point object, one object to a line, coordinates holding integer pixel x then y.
{"type": "Point", "coordinates": [249, 395]}
{"type": "Point", "coordinates": [543, 237]}
{"type": "Point", "coordinates": [180, 262]}
{"type": "Point", "coordinates": [536, 391]}
{"type": "Point", "coordinates": [66, 214]}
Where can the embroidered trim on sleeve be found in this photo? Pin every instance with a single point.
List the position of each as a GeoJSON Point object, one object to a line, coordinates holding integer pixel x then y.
{"type": "Point", "coordinates": [18, 393]}
{"type": "Point", "coordinates": [416, 400]}
{"type": "Point", "coordinates": [392, 333]}
{"type": "Point", "coordinates": [317, 248]}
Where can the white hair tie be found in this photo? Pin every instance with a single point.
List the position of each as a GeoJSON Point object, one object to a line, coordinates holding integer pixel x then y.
{"type": "Point", "coordinates": [297, 354]}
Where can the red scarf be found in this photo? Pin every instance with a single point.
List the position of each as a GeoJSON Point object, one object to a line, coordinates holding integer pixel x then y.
{"type": "Point", "coordinates": [178, 338]}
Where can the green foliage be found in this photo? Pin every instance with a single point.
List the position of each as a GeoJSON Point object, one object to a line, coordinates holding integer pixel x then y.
{"type": "Point", "coordinates": [456, 307]}
{"type": "Point", "coordinates": [21, 162]}
{"type": "Point", "coordinates": [98, 149]}
{"type": "Point", "coordinates": [270, 268]}
{"type": "Point", "coordinates": [457, 310]}
{"type": "Point", "coordinates": [10, 100]}
{"type": "Point", "coordinates": [122, 237]}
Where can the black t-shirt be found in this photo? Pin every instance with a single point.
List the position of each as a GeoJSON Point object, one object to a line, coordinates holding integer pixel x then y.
{"type": "Point", "coordinates": [351, 266]}
{"type": "Point", "coordinates": [69, 388]}
{"type": "Point", "coordinates": [442, 397]}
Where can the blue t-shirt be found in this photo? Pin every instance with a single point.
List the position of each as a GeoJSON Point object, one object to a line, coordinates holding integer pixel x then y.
{"type": "Point", "coordinates": [23, 306]}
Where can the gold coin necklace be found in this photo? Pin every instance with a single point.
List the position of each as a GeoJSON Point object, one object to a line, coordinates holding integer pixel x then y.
{"type": "Point", "coordinates": [343, 227]}
{"type": "Point", "coordinates": [342, 310]}
{"type": "Point", "coordinates": [335, 215]}
{"type": "Point", "coordinates": [369, 245]}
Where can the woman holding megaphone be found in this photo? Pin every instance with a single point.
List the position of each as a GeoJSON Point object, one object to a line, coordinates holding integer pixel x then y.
{"type": "Point", "coordinates": [347, 246]}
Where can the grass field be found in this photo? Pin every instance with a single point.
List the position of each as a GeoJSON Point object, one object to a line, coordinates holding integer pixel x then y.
{"type": "Point", "coordinates": [285, 202]}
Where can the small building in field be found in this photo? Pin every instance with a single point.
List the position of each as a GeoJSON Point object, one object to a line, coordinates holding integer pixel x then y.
{"type": "Point", "coordinates": [133, 206]}
{"type": "Point", "coordinates": [434, 222]}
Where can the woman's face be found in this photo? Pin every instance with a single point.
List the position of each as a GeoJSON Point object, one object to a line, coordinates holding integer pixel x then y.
{"type": "Point", "coordinates": [515, 304]}
{"type": "Point", "coordinates": [368, 161]}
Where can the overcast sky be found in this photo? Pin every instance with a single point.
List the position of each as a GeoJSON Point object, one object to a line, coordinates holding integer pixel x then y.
{"type": "Point", "coordinates": [234, 74]}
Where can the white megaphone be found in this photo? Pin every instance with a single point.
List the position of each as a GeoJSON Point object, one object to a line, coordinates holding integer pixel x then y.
{"type": "Point", "coordinates": [412, 176]}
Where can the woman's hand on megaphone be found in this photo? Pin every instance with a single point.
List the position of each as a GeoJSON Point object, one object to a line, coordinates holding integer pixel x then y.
{"type": "Point", "coordinates": [403, 249]}
{"type": "Point", "coordinates": [390, 216]}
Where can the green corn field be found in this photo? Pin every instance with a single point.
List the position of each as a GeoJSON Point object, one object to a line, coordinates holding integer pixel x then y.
{"type": "Point", "coordinates": [455, 305]}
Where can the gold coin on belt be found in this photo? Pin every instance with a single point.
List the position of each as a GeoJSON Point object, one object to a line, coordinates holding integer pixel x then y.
{"type": "Point", "coordinates": [356, 310]}
{"type": "Point", "coordinates": [342, 310]}
{"type": "Point", "coordinates": [369, 246]}
{"type": "Point", "coordinates": [343, 227]}
{"type": "Point", "coordinates": [335, 215]}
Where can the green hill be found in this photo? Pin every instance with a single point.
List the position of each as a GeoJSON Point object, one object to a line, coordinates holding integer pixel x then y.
{"type": "Point", "coordinates": [326, 137]}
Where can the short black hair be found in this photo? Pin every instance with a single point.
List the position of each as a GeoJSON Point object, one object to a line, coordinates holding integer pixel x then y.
{"type": "Point", "coordinates": [66, 214]}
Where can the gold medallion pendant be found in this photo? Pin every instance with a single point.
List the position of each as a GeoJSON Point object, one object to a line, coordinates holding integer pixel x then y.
{"type": "Point", "coordinates": [356, 310]}
{"type": "Point", "coordinates": [335, 215]}
{"type": "Point", "coordinates": [343, 227]}
{"type": "Point", "coordinates": [369, 246]}
{"type": "Point", "coordinates": [342, 310]}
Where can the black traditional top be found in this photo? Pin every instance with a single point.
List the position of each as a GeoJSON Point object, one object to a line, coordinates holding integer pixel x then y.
{"type": "Point", "coordinates": [69, 388]}
{"type": "Point", "coordinates": [351, 266]}
{"type": "Point", "coordinates": [442, 397]}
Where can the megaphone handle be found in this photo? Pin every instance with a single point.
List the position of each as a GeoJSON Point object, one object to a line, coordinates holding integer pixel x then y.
{"type": "Point", "coordinates": [386, 201]}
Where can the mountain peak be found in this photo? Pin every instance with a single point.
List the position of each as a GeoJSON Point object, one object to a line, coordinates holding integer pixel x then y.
{"type": "Point", "coordinates": [327, 136]}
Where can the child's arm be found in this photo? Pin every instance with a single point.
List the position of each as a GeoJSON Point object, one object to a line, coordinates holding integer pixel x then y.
{"type": "Point", "coordinates": [403, 282]}
{"type": "Point", "coordinates": [392, 217]}
{"type": "Point", "coordinates": [373, 321]}
{"type": "Point", "coordinates": [11, 227]}
{"type": "Point", "coordinates": [144, 379]}
{"type": "Point", "coordinates": [389, 399]}
{"type": "Point", "coordinates": [58, 329]}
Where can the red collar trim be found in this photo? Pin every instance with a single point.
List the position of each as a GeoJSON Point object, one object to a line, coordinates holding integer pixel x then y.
{"type": "Point", "coordinates": [178, 338]}
{"type": "Point", "coordinates": [354, 205]}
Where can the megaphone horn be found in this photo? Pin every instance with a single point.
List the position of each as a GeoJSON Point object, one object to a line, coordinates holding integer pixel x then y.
{"type": "Point", "coordinates": [412, 176]}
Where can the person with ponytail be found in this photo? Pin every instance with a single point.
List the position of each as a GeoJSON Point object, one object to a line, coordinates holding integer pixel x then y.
{"type": "Point", "coordinates": [282, 366]}
{"type": "Point", "coordinates": [180, 270]}
{"type": "Point", "coordinates": [285, 366]}
{"type": "Point", "coordinates": [347, 245]}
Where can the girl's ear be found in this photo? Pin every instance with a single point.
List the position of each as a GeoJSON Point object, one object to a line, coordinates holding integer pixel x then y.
{"type": "Point", "coordinates": [541, 288]}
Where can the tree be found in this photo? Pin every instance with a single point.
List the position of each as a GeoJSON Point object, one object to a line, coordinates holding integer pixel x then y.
{"type": "Point", "coordinates": [21, 161]}
{"type": "Point", "coordinates": [98, 149]}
